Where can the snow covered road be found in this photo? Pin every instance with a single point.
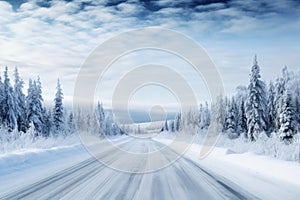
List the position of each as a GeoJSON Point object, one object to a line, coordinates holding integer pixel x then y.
{"type": "Point", "coordinates": [89, 179]}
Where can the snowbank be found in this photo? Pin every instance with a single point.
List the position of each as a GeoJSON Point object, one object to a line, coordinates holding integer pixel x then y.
{"type": "Point", "coordinates": [28, 166]}
{"type": "Point", "coordinates": [260, 175]}
{"type": "Point", "coordinates": [269, 146]}
{"type": "Point", "coordinates": [14, 142]}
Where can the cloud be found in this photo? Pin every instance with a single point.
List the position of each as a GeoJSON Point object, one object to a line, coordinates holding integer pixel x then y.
{"type": "Point", "coordinates": [53, 39]}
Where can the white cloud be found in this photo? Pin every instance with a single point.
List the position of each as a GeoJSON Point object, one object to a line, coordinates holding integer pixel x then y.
{"type": "Point", "coordinates": [54, 41]}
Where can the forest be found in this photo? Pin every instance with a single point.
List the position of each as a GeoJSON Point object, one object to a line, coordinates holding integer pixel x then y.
{"type": "Point", "coordinates": [257, 109]}
{"type": "Point", "coordinates": [26, 115]}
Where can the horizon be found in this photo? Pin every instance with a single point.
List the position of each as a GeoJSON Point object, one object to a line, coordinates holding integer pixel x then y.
{"type": "Point", "coordinates": [48, 101]}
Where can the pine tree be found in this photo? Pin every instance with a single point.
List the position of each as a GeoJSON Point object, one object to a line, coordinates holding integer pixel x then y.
{"type": "Point", "coordinates": [242, 120]}
{"type": "Point", "coordinates": [2, 102]}
{"type": "Point", "coordinates": [71, 124]}
{"type": "Point", "coordinates": [297, 112]}
{"type": "Point", "coordinates": [205, 117]}
{"type": "Point", "coordinates": [38, 94]}
{"type": "Point", "coordinates": [231, 120]}
{"type": "Point", "coordinates": [108, 125]}
{"type": "Point", "coordinates": [281, 87]}
{"type": "Point", "coordinates": [34, 106]}
{"type": "Point", "coordinates": [100, 116]}
{"type": "Point", "coordinates": [271, 108]}
{"type": "Point", "coordinates": [256, 103]}
{"type": "Point", "coordinates": [79, 119]}
{"type": "Point", "coordinates": [178, 122]}
{"type": "Point", "coordinates": [200, 115]}
{"type": "Point", "coordinates": [218, 114]}
{"type": "Point", "coordinates": [47, 125]}
{"type": "Point", "coordinates": [20, 103]}
{"type": "Point", "coordinates": [172, 126]}
{"type": "Point", "coordinates": [9, 104]}
{"type": "Point", "coordinates": [58, 111]}
{"type": "Point", "coordinates": [287, 118]}
{"type": "Point", "coordinates": [166, 126]}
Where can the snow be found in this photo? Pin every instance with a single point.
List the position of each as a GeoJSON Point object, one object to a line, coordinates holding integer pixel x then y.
{"type": "Point", "coordinates": [264, 176]}
{"type": "Point", "coordinates": [260, 175]}
{"type": "Point", "coordinates": [16, 142]}
{"type": "Point", "coordinates": [268, 146]}
{"type": "Point", "coordinates": [28, 166]}
{"type": "Point", "coordinates": [24, 166]}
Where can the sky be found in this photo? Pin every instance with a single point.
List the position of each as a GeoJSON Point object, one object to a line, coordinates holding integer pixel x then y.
{"type": "Point", "coordinates": [53, 38]}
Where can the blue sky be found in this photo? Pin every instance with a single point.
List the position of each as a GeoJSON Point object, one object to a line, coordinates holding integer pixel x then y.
{"type": "Point", "coordinates": [53, 38]}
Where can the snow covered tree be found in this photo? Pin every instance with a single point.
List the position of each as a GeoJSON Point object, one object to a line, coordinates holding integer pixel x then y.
{"type": "Point", "coordinates": [71, 124]}
{"type": "Point", "coordinates": [192, 118]}
{"type": "Point", "coordinates": [58, 111]}
{"type": "Point", "coordinates": [178, 122]}
{"type": "Point", "coordinates": [204, 117]}
{"type": "Point", "coordinates": [280, 89]}
{"type": "Point", "coordinates": [231, 120]}
{"type": "Point", "coordinates": [242, 120]}
{"type": "Point", "coordinates": [296, 95]}
{"type": "Point", "coordinates": [1, 101]}
{"type": "Point", "coordinates": [218, 113]}
{"type": "Point", "coordinates": [38, 93]}
{"type": "Point", "coordinates": [79, 119]}
{"type": "Point", "coordinates": [166, 126]}
{"type": "Point", "coordinates": [172, 126]}
{"type": "Point", "coordinates": [34, 106]}
{"type": "Point", "coordinates": [271, 108]}
{"type": "Point", "coordinates": [9, 104]}
{"type": "Point", "coordinates": [108, 125]}
{"type": "Point", "coordinates": [20, 102]}
{"type": "Point", "coordinates": [287, 118]}
{"type": "Point", "coordinates": [47, 122]}
{"type": "Point", "coordinates": [100, 116]}
{"type": "Point", "coordinates": [256, 103]}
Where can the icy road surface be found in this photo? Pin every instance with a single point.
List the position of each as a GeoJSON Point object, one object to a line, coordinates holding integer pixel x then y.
{"type": "Point", "coordinates": [89, 179]}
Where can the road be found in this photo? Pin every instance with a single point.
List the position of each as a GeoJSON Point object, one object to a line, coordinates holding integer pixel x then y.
{"type": "Point", "coordinates": [89, 179]}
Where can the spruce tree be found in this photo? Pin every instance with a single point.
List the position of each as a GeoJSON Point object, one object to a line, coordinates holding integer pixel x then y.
{"type": "Point", "coordinates": [231, 119]}
{"type": "Point", "coordinates": [34, 106]}
{"type": "Point", "coordinates": [9, 104]}
{"type": "Point", "coordinates": [271, 108]}
{"type": "Point", "coordinates": [100, 116]}
{"type": "Point", "coordinates": [281, 87]}
{"type": "Point", "coordinates": [256, 103]}
{"type": "Point", "coordinates": [172, 126]}
{"type": "Point", "coordinates": [20, 102]}
{"type": "Point", "coordinates": [287, 118]}
{"type": "Point", "coordinates": [2, 102]}
{"type": "Point", "coordinates": [71, 124]}
{"type": "Point", "coordinates": [205, 117]}
{"type": "Point", "coordinates": [166, 126]}
{"type": "Point", "coordinates": [58, 111]}
{"type": "Point", "coordinates": [218, 114]}
{"type": "Point", "coordinates": [242, 120]}
{"type": "Point", "coordinates": [178, 122]}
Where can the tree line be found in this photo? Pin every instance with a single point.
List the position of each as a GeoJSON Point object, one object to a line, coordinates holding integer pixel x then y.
{"type": "Point", "coordinates": [259, 108]}
{"type": "Point", "coordinates": [20, 112]}
{"type": "Point", "coordinates": [256, 109]}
